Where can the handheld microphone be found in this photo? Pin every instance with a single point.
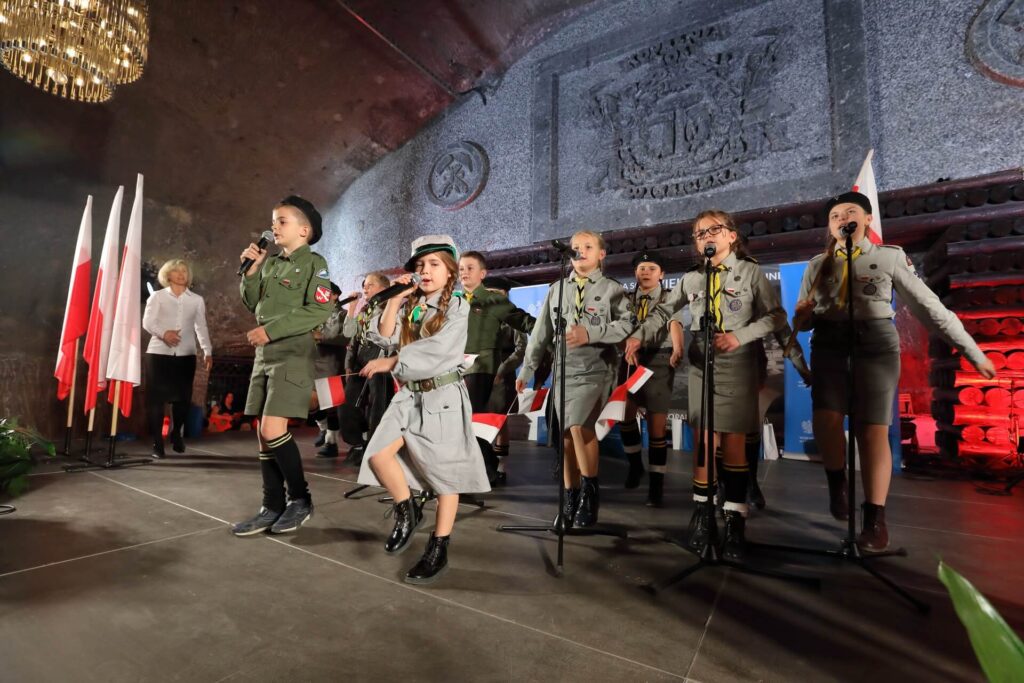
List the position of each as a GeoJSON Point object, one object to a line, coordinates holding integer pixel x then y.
{"type": "Point", "coordinates": [348, 300]}
{"type": "Point", "coordinates": [394, 289]}
{"type": "Point", "coordinates": [265, 239]}
{"type": "Point", "coordinates": [710, 250]}
{"type": "Point", "coordinates": [848, 229]}
{"type": "Point", "coordinates": [564, 248]}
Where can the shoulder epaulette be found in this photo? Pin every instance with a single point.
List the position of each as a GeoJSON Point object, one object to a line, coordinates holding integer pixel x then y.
{"type": "Point", "coordinates": [749, 258]}
{"type": "Point", "coordinates": [695, 266]}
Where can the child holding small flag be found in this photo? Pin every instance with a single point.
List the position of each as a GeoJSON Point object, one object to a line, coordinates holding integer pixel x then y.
{"type": "Point", "coordinates": [425, 438]}
{"type": "Point", "coordinates": [745, 308]}
{"type": "Point", "coordinates": [290, 293]}
{"type": "Point", "coordinates": [596, 315]}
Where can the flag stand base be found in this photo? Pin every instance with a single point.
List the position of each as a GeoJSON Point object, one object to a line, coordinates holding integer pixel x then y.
{"type": "Point", "coordinates": [114, 461]}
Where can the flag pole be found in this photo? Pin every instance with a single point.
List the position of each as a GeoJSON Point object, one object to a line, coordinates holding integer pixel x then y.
{"type": "Point", "coordinates": [113, 422]}
{"type": "Point", "coordinates": [71, 403]}
{"type": "Point", "coordinates": [88, 435]}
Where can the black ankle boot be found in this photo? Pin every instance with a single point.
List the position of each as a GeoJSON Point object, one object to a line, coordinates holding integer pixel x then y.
{"type": "Point", "coordinates": [408, 516]}
{"type": "Point", "coordinates": [838, 503]}
{"type": "Point", "coordinates": [874, 536]}
{"type": "Point", "coordinates": [655, 489]}
{"type": "Point", "coordinates": [636, 471]}
{"type": "Point", "coordinates": [572, 499]}
{"type": "Point", "coordinates": [734, 545]}
{"type": "Point", "coordinates": [699, 533]}
{"type": "Point", "coordinates": [754, 494]}
{"type": "Point", "coordinates": [590, 502]}
{"type": "Point", "coordinates": [433, 563]}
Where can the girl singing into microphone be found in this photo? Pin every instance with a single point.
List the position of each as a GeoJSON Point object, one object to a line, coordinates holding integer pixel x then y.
{"type": "Point", "coordinates": [425, 438]}
{"type": "Point", "coordinates": [744, 308]}
{"type": "Point", "coordinates": [878, 271]}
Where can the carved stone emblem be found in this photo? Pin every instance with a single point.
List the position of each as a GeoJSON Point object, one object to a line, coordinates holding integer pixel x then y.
{"type": "Point", "coordinates": [458, 175]}
{"type": "Point", "coordinates": [995, 41]}
{"type": "Point", "coordinates": [686, 113]}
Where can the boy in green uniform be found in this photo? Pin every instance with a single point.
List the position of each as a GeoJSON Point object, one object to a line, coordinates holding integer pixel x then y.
{"type": "Point", "coordinates": [290, 293]}
{"type": "Point", "coordinates": [487, 311]}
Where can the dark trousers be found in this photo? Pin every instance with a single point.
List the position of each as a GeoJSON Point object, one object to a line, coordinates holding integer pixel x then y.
{"type": "Point", "coordinates": [155, 419]}
{"type": "Point", "coordinates": [480, 385]}
{"type": "Point", "coordinates": [351, 417]}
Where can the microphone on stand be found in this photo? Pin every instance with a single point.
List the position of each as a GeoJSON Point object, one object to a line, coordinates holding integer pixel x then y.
{"type": "Point", "coordinates": [848, 229]}
{"type": "Point", "coordinates": [710, 250]}
{"type": "Point", "coordinates": [393, 290]}
{"type": "Point", "coordinates": [265, 239]}
{"type": "Point", "coordinates": [564, 248]}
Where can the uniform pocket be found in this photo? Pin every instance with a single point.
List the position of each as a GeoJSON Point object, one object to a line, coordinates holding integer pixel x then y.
{"type": "Point", "coordinates": [442, 415]}
{"type": "Point", "coordinates": [874, 287]}
{"type": "Point", "coordinates": [299, 376]}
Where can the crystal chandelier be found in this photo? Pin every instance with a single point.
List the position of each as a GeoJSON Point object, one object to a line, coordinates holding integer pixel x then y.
{"type": "Point", "coordinates": [77, 49]}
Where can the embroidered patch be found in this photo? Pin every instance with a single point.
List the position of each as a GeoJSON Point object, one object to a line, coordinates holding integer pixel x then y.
{"type": "Point", "coordinates": [735, 305]}
{"type": "Point", "coordinates": [595, 320]}
{"type": "Point", "coordinates": [286, 282]}
{"type": "Point", "coordinates": [597, 298]}
{"type": "Point", "coordinates": [323, 294]}
{"type": "Point", "coordinates": [591, 310]}
{"type": "Point", "coordinates": [730, 290]}
{"type": "Point", "coordinates": [874, 266]}
{"type": "Point", "coordinates": [870, 289]}
{"type": "Point", "coordinates": [323, 274]}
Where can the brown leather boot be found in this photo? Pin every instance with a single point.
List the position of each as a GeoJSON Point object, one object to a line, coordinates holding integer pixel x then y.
{"type": "Point", "coordinates": [874, 536]}
{"type": "Point", "coordinates": [838, 503]}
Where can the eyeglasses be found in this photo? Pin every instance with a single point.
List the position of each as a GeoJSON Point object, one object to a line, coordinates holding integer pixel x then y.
{"type": "Point", "coordinates": [709, 232]}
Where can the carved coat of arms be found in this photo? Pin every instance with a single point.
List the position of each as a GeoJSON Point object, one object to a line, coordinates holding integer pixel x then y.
{"type": "Point", "coordinates": [995, 40]}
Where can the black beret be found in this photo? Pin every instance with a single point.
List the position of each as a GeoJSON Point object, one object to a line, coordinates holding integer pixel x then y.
{"type": "Point", "coordinates": [857, 198]}
{"type": "Point", "coordinates": [309, 211]}
{"type": "Point", "coordinates": [335, 289]}
{"type": "Point", "coordinates": [649, 257]}
{"type": "Point", "coordinates": [500, 282]}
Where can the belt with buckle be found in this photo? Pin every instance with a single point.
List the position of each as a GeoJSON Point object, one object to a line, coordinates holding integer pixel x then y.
{"type": "Point", "coordinates": [434, 382]}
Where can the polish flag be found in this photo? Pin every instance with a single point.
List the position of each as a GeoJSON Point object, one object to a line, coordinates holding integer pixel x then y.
{"type": "Point", "coordinates": [330, 391]}
{"type": "Point", "coordinates": [487, 425]}
{"type": "Point", "coordinates": [125, 363]}
{"type": "Point", "coordinates": [532, 401]}
{"type": "Point", "coordinates": [469, 358]}
{"type": "Point", "coordinates": [614, 410]}
{"type": "Point", "coordinates": [101, 316]}
{"type": "Point", "coordinates": [76, 314]}
{"type": "Point", "coordinates": [865, 184]}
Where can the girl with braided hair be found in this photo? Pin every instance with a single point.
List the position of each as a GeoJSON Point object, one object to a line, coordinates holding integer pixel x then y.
{"type": "Point", "coordinates": [425, 439]}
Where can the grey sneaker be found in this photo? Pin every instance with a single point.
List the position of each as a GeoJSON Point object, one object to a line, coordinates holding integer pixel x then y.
{"type": "Point", "coordinates": [294, 516]}
{"type": "Point", "coordinates": [263, 520]}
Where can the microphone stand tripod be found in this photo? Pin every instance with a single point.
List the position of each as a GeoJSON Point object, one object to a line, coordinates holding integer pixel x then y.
{"type": "Point", "coordinates": [708, 555]}
{"type": "Point", "coordinates": [848, 549]}
{"type": "Point", "coordinates": [559, 526]}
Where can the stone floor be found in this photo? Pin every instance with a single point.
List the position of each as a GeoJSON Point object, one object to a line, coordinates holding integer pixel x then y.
{"type": "Point", "coordinates": [131, 574]}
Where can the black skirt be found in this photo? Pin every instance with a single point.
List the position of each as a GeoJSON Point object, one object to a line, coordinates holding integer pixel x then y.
{"type": "Point", "coordinates": [169, 378]}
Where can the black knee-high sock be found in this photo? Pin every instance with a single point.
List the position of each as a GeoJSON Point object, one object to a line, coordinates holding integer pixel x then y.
{"type": "Point", "coordinates": [700, 490]}
{"type": "Point", "coordinates": [273, 482]}
{"type": "Point", "coordinates": [286, 453]}
{"type": "Point", "coordinates": [753, 449]}
{"type": "Point", "coordinates": [179, 413]}
{"type": "Point", "coordinates": [657, 453]}
{"type": "Point", "coordinates": [501, 452]}
{"type": "Point", "coordinates": [631, 442]}
{"type": "Point", "coordinates": [734, 479]}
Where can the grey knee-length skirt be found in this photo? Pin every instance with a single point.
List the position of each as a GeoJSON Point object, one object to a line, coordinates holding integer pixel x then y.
{"type": "Point", "coordinates": [586, 392]}
{"type": "Point", "coordinates": [735, 397]}
{"type": "Point", "coordinates": [877, 367]}
{"type": "Point", "coordinates": [440, 453]}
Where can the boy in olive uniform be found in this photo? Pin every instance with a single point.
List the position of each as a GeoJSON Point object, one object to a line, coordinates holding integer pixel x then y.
{"type": "Point", "coordinates": [487, 311]}
{"type": "Point", "coordinates": [290, 293]}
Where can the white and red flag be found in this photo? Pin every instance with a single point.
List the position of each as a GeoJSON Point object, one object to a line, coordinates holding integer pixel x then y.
{"type": "Point", "coordinates": [532, 401]}
{"type": "Point", "coordinates": [487, 425]}
{"type": "Point", "coordinates": [865, 184]}
{"type": "Point", "coordinates": [330, 391]}
{"type": "Point", "coordinates": [76, 314]}
{"type": "Point", "coordinates": [614, 410]}
{"type": "Point", "coordinates": [125, 364]}
{"type": "Point", "coordinates": [101, 315]}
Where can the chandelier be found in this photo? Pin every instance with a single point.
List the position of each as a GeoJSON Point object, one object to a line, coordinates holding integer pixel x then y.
{"type": "Point", "coordinates": [77, 49]}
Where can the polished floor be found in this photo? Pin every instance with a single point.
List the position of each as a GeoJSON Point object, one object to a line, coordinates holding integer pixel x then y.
{"type": "Point", "coordinates": [131, 575]}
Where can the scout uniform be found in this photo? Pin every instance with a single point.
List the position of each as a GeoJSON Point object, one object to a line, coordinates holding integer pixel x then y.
{"type": "Point", "coordinates": [329, 361]}
{"type": "Point", "coordinates": [366, 397]}
{"type": "Point", "coordinates": [291, 296]}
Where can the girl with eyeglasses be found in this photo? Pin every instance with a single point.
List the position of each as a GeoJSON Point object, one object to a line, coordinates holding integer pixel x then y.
{"type": "Point", "coordinates": [744, 308]}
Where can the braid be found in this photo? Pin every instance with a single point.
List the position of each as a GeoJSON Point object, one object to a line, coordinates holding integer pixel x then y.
{"type": "Point", "coordinates": [827, 265]}
{"type": "Point", "coordinates": [410, 335]}
{"type": "Point", "coordinates": [434, 324]}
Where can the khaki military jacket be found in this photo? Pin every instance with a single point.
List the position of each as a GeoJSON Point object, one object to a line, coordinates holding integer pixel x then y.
{"type": "Point", "coordinates": [605, 317]}
{"type": "Point", "coordinates": [879, 271]}
{"type": "Point", "coordinates": [291, 296]}
{"type": "Point", "coordinates": [750, 306]}
{"type": "Point", "coordinates": [487, 311]}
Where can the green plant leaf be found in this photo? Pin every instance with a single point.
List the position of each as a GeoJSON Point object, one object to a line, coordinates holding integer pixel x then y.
{"type": "Point", "coordinates": [997, 647]}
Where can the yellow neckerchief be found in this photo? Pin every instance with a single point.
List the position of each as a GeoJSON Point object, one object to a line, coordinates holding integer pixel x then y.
{"type": "Point", "coordinates": [581, 286]}
{"type": "Point", "coordinates": [716, 294]}
{"type": "Point", "coordinates": [841, 255]}
{"type": "Point", "coordinates": [643, 304]}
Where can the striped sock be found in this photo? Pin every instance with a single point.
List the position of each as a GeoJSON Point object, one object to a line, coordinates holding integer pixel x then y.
{"type": "Point", "coordinates": [273, 482]}
{"type": "Point", "coordinates": [734, 478]}
{"type": "Point", "coordinates": [286, 453]}
{"type": "Point", "coordinates": [657, 454]}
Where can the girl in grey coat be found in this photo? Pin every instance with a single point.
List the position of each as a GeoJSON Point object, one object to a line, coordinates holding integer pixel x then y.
{"type": "Point", "coordinates": [425, 438]}
{"type": "Point", "coordinates": [597, 318]}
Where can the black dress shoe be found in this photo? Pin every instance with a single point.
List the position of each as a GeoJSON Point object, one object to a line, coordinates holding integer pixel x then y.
{"type": "Point", "coordinates": [500, 479]}
{"type": "Point", "coordinates": [320, 440]}
{"type": "Point", "coordinates": [734, 545]}
{"type": "Point", "coordinates": [699, 533]}
{"type": "Point", "coordinates": [329, 450]}
{"type": "Point", "coordinates": [572, 497]}
{"type": "Point", "coordinates": [177, 443]}
{"type": "Point", "coordinates": [755, 496]}
{"type": "Point", "coordinates": [408, 516]}
{"type": "Point", "coordinates": [158, 452]}
{"type": "Point", "coordinates": [590, 502]}
{"type": "Point", "coordinates": [295, 515]}
{"type": "Point", "coordinates": [433, 564]}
